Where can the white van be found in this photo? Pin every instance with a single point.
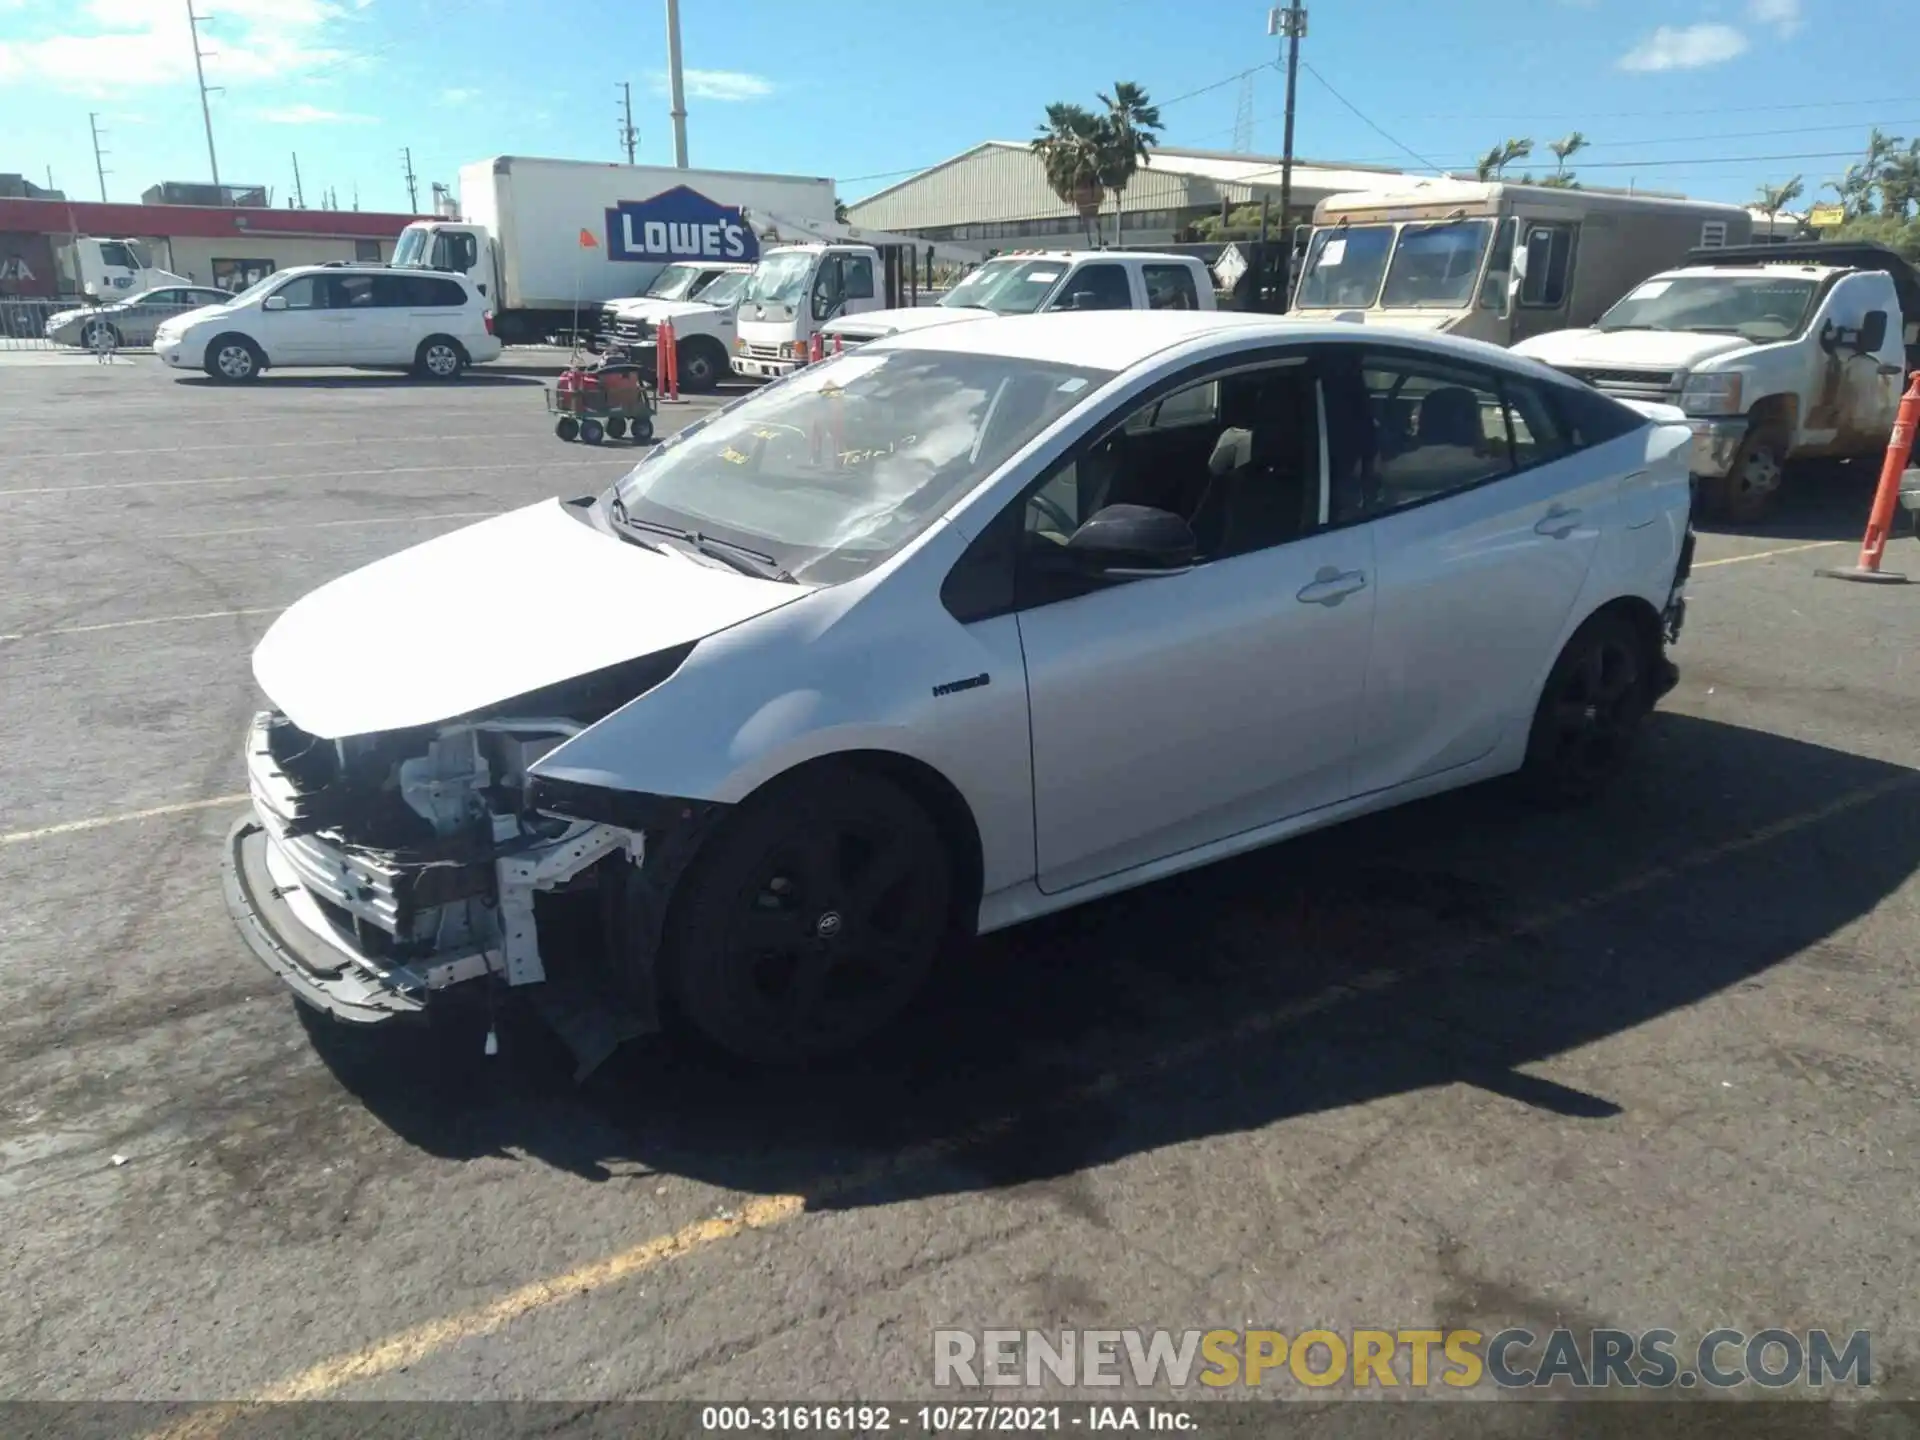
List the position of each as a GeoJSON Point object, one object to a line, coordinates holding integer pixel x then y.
{"type": "Point", "coordinates": [435, 325]}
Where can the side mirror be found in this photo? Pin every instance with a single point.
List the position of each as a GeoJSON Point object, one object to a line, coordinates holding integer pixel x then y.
{"type": "Point", "coordinates": [1873, 332]}
{"type": "Point", "coordinates": [274, 302]}
{"type": "Point", "coordinates": [1081, 300]}
{"type": "Point", "coordinates": [1127, 542]}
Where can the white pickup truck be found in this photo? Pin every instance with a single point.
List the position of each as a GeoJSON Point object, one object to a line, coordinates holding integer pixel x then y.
{"type": "Point", "coordinates": [1776, 353]}
{"type": "Point", "coordinates": [700, 298]}
{"type": "Point", "coordinates": [1032, 281]}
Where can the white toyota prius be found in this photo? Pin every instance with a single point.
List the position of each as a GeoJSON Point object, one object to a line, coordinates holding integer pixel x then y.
{"type": "Point", "coordinates": [936, 637]}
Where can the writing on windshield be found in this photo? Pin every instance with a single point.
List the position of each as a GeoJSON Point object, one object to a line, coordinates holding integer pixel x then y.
{"type": "Point", "coordinates": [1758, 307]}
{"type": "Point", "coordinates": [1007, 287]}
{"type": "Point", "coordinates": [1344, 267]}
{"type": "Point", "coordinates": [673, 282]}
{"type": "Point", "coordinates": [780, 279]}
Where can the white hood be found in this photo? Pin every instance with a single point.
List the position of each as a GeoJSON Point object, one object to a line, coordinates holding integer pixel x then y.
{"type": "Point", "coordinates": [1654, 349]}
{"type": "Point", "coordinates": [489, 612]}
{"type": "Point", "coordinates": [876, 323]}
{"type": "Point", "coordinates": [651, 308]}
{"type": "Point", "coordinates": [180, 322]}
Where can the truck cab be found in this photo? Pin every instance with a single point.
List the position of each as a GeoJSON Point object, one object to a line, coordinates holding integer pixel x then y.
{"type": "Point", "coordinates": [1031, 282]}
{"type": "Point", "coordinates": [792, 293]}
{"type": "Point", "coordinates": [1777, 353]}
{"type": "Point", "coordinates": [700, 299]}
{"type": "Point", "coordinates": [1496, 262]}
{"type": "Point", "coordinates": [454, 246]}
{"type": "Point", "coordinates": [114, 269]}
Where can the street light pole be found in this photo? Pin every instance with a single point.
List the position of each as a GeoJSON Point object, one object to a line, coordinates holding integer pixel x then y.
{"type": "Point", "coordinates": [1290, 22]}
{"type": "Point", "coordinates": [675, 85]}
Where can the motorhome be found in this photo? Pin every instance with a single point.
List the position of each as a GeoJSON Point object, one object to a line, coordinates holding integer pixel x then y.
{"type": "Point", "coordinates": [1492, 261]}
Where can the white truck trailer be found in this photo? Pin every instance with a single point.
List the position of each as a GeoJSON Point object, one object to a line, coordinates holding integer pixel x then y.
{"type": "Point", "coordinates": [551, 241]}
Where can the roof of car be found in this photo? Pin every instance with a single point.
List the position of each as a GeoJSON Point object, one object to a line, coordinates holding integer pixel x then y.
{"type": "Point", "coordinates": [1116, 340]}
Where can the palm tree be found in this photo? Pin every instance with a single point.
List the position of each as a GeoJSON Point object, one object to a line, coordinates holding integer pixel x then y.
{"type": "Point", "coordinates": [1129, 131]}
{"type": "Point", "coordinates": [1855, 191]}
{"type": "Point", "coordinates": [1563, 151]}
{"type": "Point", "coordinates": [1071, 145]}
{"type": "Point", "coordinates": [1775, 198]}
{"type": "Point", "coordinates": [1900, 182]}
{"type": "Point", "coordinates": [1493, 164]}
{"type": "Point", "coordinates": [839, 211]}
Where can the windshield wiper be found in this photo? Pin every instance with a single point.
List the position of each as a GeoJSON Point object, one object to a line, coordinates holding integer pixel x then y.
{"type": "Point", "coordinates": [739, 557]}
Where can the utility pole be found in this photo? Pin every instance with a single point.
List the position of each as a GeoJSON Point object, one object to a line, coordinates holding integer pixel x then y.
{"type": "Point", "coordinates": [1290, 22]}
{"type": "Point", "coordinates": [200, 73]}
{"type": "Point", "coordinates": [629, 136]}
{"type": "Point", "coordinates": [299, 195]}
{"type": "Point", "coordinates": [413, 185]}
{"type": "Point", "coordinates": [676, 87]}
{"type": "Point", "coordinates": [93, 120]}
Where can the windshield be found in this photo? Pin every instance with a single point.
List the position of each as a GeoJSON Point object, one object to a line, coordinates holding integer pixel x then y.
{"type": "Point", "coordinates": [1757, 307]}
{"type": "Point", "coordinates": [833, 470]}
{"type": "Point", "coordinates": [1344, 267]}
{"type": "Point", "coordinates": [1436, 264]}
{"type": "Point", "coordinates": [412, 249]}
{"type": "Point", "coordinates": [1007, 287]}
{"type": "Point", "coordinates": [781, 278]}
{"type": "Point", "coordinates": [258, 288]}
{"type": "Point", "coordinates": [726, 290]}
{"type": "Point", "coordinates": [674, 282]}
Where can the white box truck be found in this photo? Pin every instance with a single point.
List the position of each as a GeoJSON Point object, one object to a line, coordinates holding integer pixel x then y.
{"type": "Point", "coordinates": [547, 240]}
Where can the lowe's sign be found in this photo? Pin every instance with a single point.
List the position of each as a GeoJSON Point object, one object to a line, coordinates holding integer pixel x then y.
{"type": "Point", "coordinates": [679, 224]}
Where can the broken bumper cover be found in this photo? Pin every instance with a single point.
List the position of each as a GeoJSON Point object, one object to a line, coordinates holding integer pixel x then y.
{"type": "Point", "coordinates": [313, 967]}
{"type": "Point", "coordinates": [1715, 443]}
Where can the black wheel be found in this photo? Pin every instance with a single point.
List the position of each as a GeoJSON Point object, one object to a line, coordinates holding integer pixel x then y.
{"type": "Point", "coordinates": [702, 363]}
{"type": "Point", "coordinates": [567, 428]}
{"type": "Point", "coordinates": [100, 335]}
{"type": "Point", "coordinates": [642, 429]}
{"type": "Point", "coordinates": [1746, 494]}
{"type": "Point", "coordinates": [811, 919]}
{"type": "Point", "coordinates": [592, 431]}
{"type": "Point", "coordinates": [234, 358]}
{"type": "Point", "coordinates": [440, 357]}
{"type": "Point", "coordinates": [1589, 713]}
{"type": "Point", "coordinates": [616, 426]}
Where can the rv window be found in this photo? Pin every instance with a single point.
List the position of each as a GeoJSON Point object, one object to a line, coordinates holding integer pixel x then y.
{"type": "Point", "coordinates": [1549, 253]}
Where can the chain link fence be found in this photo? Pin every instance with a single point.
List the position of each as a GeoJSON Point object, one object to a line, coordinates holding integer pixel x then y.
{"type": "Point", "coordinates": [24, 325]}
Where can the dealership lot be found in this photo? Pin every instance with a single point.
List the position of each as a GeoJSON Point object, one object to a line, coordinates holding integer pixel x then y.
{"type": "Point", "coordinates": [1648, 1065]}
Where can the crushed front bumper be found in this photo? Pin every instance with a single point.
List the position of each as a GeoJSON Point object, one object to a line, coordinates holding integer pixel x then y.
{"type": "Point", "coordinates": [1715, 443]}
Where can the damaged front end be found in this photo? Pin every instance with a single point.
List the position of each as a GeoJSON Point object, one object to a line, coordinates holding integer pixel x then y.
{"type": "Point", "coordinates": [379, 872]}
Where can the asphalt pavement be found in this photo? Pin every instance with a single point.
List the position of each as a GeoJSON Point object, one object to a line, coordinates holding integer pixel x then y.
{"type": "Point", "coordinates": [1647, 1065]}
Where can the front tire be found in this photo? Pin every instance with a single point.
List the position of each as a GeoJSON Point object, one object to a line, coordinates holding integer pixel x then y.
{"type": "Point", "coordinates": [1747, 493]}
{"type": "Point", "coordinates": [234, 360]}
{"type": "Point", "coordinates": [440, 357]}
{"type": "Point", "coordinates": [702, 363]}
{"type": "Point", "coordinates": [811, 919]}
{"type": "Point", "coordinates": [1589, 714]}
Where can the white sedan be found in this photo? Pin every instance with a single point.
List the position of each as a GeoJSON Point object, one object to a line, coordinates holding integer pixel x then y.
{"type": "Point", "coordinates": [969, 626]}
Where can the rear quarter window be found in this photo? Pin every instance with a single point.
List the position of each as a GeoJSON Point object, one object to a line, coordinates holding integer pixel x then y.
{"type": "Point", "coordinates": [1591, 418]}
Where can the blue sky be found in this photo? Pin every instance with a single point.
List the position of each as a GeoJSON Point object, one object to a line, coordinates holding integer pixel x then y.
{"type": "Point", "coordinates": [1712, 97]}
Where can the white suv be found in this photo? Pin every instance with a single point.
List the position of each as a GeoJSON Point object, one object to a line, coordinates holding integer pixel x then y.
{"type": "Point", "coordinates": [336, 315]}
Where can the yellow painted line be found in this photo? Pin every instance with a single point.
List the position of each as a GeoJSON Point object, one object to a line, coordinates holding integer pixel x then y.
{"type": "Point", "coordinates": [571, 462]}
{"type": "Point", "coordinates": [100, 822]}
{"type": "Point", "coordinates": [418, 1342]}
{"type": "Point", "coordinates": [149, 620]}
{"type": "Point", "coordinates": [328, 524]}
{"type": "Point", "coordinates": [1769, 554]}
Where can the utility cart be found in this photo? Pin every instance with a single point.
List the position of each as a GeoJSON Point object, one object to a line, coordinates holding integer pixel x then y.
{"type": "Point", "coordinates": [603, 402]}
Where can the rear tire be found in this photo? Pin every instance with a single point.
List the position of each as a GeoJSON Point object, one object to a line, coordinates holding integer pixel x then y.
{"type": "Point", "coordinates": [702, 363]}
{"type": "Point", "coordinates": [234, 359]}
{"type": "Point", "coordinates": [440, 357]}
{"type": "Point", "coordinates": [567, 428]}
{"type": "Point", "coordinates": [616, 426]}
{"type": "Point", "coordinates": [642, 430]}
{"type": "Point", "coordinates": [1589, 714]}
{"type": "Point", "coordinates": [810, 920]}
{"type": "Point", "coordinates": [592, 431]}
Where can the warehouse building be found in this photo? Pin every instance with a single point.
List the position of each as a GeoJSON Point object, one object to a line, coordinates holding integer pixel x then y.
{"type": "Point", "coordinates": [996, 196]}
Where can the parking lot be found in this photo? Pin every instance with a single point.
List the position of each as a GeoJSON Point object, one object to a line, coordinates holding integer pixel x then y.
{"type": "Point", "coordinates": [1649, 1065]}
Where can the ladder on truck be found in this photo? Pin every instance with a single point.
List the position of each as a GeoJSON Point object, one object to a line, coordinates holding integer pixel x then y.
{"type": "Point", "coordinates": [901, 256]}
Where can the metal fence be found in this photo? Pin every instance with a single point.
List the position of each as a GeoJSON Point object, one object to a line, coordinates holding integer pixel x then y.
{"type": "Point", "coordinates": [23, 325]}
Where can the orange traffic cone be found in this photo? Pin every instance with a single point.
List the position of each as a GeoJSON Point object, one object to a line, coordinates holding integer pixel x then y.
{"type": "Point", "coordinates": [1886, 498]}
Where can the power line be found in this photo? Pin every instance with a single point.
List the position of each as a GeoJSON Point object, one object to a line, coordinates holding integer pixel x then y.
{"type": "Point", "coordinates": [1669, 114]}
{"type": "Point", "coordinates": [1365, 121]}
{"type": "Point", "coordinates": [206, 114]}
{"type": "Point", "coordinates": [93, 122]}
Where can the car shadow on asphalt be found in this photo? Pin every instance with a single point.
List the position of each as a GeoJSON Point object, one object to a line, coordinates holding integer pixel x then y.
{"type": "Point", "coordinates": [372, 381]}
{"type": "Point", "coordinates": [1453, 941]}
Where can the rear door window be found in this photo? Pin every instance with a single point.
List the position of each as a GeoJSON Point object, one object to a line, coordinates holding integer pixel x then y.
{"type": "Point", "coordinates": [1096, 287]}
{"type": "Point", "coordinates": [1170, 287]}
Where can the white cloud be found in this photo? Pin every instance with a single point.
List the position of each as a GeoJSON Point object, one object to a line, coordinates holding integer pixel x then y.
{"type": "Point", "coordinates": [1685, 47]}
{"type": "Point", "coordinates": [1783, 15]}
{"type": "Point", "coordinates": [725, 86]}
{"type": "Point", "coordinates": [458, 95]}
{"type": "Point", "coordinates": [304, 114]}
{"type": "Point", "coordinates": [111, 46]}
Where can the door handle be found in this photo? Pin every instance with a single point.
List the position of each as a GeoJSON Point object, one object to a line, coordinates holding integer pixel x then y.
{"type": "Point", "coordinates": [1330, 586]}
{"type": "Point", "coordinates": [1559, 522]}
